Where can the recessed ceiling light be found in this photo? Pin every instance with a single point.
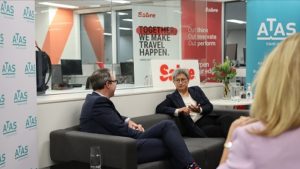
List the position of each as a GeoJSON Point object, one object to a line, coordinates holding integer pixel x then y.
{"type": "Point", "coordinates": [94, 6]}
{"type": "Point", "coordinates": [236, 21]}
{"type": "Point", "coordinates": [122, 13]}
{"type": "Point", "coordinates": [128, 20]}
{"type": "Point", "coordinates": [120, 1]}
{"type": "Point", "coordinates": [107, 34]}
{"type": "Point", "coordinates": [58, 5]}
{"type": "Point", "coordinates": [123, 28]}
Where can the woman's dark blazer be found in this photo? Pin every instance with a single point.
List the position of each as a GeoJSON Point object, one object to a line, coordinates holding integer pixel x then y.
{"type": "Point", "coordinates": [174, 101]}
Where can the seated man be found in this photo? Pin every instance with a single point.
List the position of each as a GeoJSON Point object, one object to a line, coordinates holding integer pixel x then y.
{"type": "Point", "coordinates": [162, 141]}
{"type": "Point", "coordinates": [194, 110]}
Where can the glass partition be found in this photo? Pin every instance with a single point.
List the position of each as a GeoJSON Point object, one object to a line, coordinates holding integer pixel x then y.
{"type": "Point", "coordinates": [126, 37]}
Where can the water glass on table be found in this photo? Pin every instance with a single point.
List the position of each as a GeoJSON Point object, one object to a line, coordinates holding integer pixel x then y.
{"type": "Point", "coordinates": [95, 157]}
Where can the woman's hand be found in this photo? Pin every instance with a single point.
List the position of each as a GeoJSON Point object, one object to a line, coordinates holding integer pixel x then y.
{"type": "Point", "coordinates": [194, 108]}
{"type": "Point", "coordinates": [184, 110]}
{"type": "Point", "coordinates": [242, 121]}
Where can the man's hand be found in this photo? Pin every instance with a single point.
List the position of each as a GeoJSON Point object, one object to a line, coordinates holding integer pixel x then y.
{"type": "Point", "coordinates": [133, 125]}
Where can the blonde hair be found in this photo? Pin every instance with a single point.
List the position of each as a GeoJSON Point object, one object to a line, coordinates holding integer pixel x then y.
{"type": "Point", "coordinates": [277, 85]}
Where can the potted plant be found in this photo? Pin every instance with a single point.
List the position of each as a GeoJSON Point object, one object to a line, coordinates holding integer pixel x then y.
{"type": "Point", "coordinates": [224, 72]}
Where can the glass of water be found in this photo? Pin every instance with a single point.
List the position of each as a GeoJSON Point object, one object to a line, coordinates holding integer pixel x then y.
{"type": "Point", "coordinates": [95, 157]}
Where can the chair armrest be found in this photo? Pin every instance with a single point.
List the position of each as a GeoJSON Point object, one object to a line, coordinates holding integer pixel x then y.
{"type": "Point", "coordinates": [236, 112]}
{"type": "Point", "coordinates": [117, 152]}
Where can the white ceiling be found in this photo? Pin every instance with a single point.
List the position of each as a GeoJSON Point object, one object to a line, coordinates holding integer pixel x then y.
{"type": "Point", "coordinates": [233, 10]}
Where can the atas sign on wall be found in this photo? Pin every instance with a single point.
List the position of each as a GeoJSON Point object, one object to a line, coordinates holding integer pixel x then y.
{"type": "Point", "coordinates": [268, 23]}
{"type": "Point", "coordinates": [18, 120]}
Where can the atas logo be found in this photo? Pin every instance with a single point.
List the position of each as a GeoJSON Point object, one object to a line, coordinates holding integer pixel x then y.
{"type": "Point", "coordinates": [166, 72]}
{"type": "Point", "coordinates": [2, 99]}
{"type": "Point", "coordinates": [274, 30]}
{"type": "Point", "coordinates": [28, 13]}
{"type": "Point", "coordinates": [1, 39]}
{"type": "Point", "coordinates": [19, 40]}
{"type": "Point", "coordinates": [20, 96]}
{"type": "Point", "coordinates": [30, 68]}
{"type": "Point", "coordinates": [2, 160]}
{"type": "Point", "coordinates": [9, 127]}
{"type": "Point", "coordinates": [31, 122]}
{"type": "Point", "coordinates": [21, 152]}
{"type": "Point", "coordinates": [8, 69]}
{"type": "Point", "coordinates": [7, 9]}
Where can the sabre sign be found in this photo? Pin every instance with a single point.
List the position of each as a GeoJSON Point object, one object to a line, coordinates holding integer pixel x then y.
{"type": "Point", "coordinates": [162, 72]}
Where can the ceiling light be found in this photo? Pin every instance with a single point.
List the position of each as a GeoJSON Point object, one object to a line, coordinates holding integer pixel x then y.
{"type": "Point", "coordinates": [236, 21]}
{"type": "Point", "coordinates": [58, 5]}
{"type": "Point", "coordinates": [120, 1]}
{"type": "Point", "coordinates": [123, 28]}
{"type": "Point", "coordinates": [94, 6]}
{"type": "Point", "coordinates": [128, 20]}
{"type": "Point", "coordinates": [107, 34]}
{"type": "Point", "coordinates": [122, 13]}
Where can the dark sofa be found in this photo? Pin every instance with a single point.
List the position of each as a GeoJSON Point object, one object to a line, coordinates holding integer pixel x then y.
{"type": "Point", "coordinates": [71, 145]}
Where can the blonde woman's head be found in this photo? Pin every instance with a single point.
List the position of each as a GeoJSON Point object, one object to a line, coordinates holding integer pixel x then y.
{"type": "Point", "coordinates": [277, 89]}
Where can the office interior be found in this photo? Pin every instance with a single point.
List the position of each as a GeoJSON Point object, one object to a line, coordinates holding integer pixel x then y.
{"type": "Point", "coordinates": [112, 47]}
{"type": "Point", "coordinates": [116, 40]}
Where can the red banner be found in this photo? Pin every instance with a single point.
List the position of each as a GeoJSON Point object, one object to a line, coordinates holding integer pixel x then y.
{"type": "Point", "coordinates": [201, 34]}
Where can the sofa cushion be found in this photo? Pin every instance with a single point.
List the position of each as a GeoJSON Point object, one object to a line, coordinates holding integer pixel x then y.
{"type": "Point", "coordinates": [206, 151]}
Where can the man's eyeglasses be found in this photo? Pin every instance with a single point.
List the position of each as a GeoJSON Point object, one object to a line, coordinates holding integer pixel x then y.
{"type": "Point", "coordinates": [183, 80]}
{"type": "Point", "coordinates": [113, 81]}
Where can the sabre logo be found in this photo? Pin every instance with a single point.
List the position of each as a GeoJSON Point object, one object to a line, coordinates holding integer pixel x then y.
{"type": "Point", "coordinates": [21, 152]}
{"type": "Point", "coordinates": [7, 9]}
{"type": "Point", "coordinates": [28, 13]}
{"type": "Point", "coordinates": [31, 122]}
{"type": "Point", "coordinates": [9, 127]}
{"type": "Point", "coordinates": [2, 160]}
{"type": "Point", "coordinates": [166, 72]}
{"type": "Point", "coordinates": [30, 68]}
{"type": "Point", "coordinates": [8, 69]}
{"type": "Point", "coordinates": [20, 96]}
{"type": "Point", "coordinates": [274, 30]}
{"type": "Point", "coordinates": [19, 40]}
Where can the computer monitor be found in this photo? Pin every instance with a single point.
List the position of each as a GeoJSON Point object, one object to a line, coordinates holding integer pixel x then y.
{"type": "Point", "coordinates": [231, 51]}
{"type": "Point", "coordinates": [126, 68]}
{"type": "Point", "coordinates": [71, 67]}
{"type": "Point", "coordinates": [244, 52]}
{"type": "Point", "coordinates": [127, 71]}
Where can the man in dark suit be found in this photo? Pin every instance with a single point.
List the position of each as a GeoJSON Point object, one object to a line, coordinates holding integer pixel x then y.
{"type": "Point", "coordinates": [161, 141]}
{"type": "Point", "coordinates": [194, 110]}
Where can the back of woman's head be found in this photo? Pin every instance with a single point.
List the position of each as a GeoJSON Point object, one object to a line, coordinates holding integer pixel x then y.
{"type": "Point", "coordinates": [277, 89]}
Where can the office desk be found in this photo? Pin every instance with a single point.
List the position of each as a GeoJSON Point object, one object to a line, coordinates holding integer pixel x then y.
{"type": "Point", "coordinates": [229, 104]}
